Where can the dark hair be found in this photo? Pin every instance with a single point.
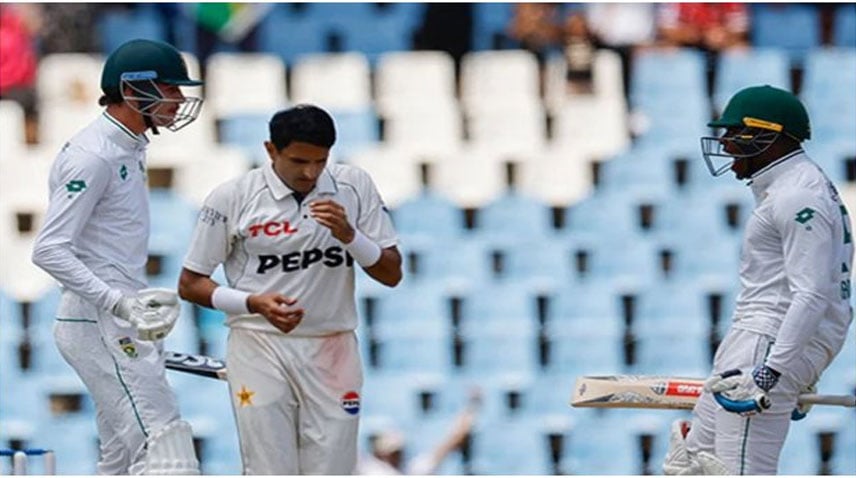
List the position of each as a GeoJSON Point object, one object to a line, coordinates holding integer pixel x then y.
{"type": "Point", "coordinates": [304, 123]}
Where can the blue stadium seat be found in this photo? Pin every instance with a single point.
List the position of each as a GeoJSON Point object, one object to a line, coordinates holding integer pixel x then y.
{"type": "Point", "coordinates": [515, 216]}
{"type": "Point", "coordinates": [414, 347]}
{"type": "Point", "coordinates": [539, 262]}
{"type": "Point", "coordinates": [499, 303]}
{"type": "Point", "coordinates": [172, 221]}
{"type": "Point", "coordinates": [289, 36]}
{"type": "Point", "coordinates": [685, 79]}
{"type": "Point", "coordinates": [429, 215]}
{"type": "Point", "coordinates": [355, 130]}
{"type": "Point", "coordinates": [644, 171]}
{"type": "Point", "coordinates": [739, 69]}
{"type": "Point", "coordinates": [412, 304]}
{"type": "Point", "coordinates": [844, 26]}
{"type": "Point", "coordinates": [794, 28]}
{"type": "Point", "coordinates": [512, 446]}
{"type": "Point", "coordinates": [247, 132]}
{"type": "Point", "coordinates": [461, 267]}
{"type": "Point", "coordinates": [585, 347]}
{"type": "Point", "coordinates": [595, 302]}
{"type": "Point", "coordinates": [601, 444]}
{"type": "Point", "coordinates": [118, 27]}
{"type": "Point", "coordinates": [489, 23]}
{"type": "Point", "coordinates": [499, 347]}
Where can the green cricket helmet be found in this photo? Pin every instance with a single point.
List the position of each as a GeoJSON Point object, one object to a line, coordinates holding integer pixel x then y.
{"type": "Point", "coordinates": [142, 65]}
{"type": "Point", "coordinates": [756, 117]}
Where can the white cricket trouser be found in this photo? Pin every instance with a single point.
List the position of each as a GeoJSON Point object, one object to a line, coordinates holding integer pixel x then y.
{"type": "Point", "coordinates": [126, 378]}
{"type": "Point", "coordinates": [296, 401]}
{"type": "Point", "coordinates": [751, 445]}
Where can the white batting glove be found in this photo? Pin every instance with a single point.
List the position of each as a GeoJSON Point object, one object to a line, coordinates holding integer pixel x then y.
{"type": "Point", "coordinates": [155, 313]}
{"type": "Point", "coordinates": [801, 410]}
{"type": "Point", "coordinates": [743, 392]}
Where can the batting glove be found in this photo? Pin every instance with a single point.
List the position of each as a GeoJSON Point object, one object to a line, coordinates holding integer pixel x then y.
{"type": "Point", "coordinates": [152, 312]}
{"type": "Point", "coordinates": [801, 410]}
{"type": "Point", "coordinates": [743, 392]}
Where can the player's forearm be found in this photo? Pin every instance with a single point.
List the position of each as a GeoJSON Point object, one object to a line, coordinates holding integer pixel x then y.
{"type": "Point", "coordinates": [196, 288]}
{"type": "Point", "coordinates": [58, 261]}
{"type": "Point", "coordinates": [798, 328]}
{"type": "Point", "coordinates": [387, 270]}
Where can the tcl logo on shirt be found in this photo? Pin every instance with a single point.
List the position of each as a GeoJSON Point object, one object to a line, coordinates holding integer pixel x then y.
{"type": "Point", "coordinates": [272, 228]}
{"type": "Point", "coordinates": [331, 257]}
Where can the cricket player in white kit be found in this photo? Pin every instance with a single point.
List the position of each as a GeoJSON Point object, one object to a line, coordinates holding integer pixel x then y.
{"type": "Point", "coordinates": [288, 234]}
{"type": "Point", "coordinates": [94, 242]}
{"type": "Point", "coordinates": [793, 311]}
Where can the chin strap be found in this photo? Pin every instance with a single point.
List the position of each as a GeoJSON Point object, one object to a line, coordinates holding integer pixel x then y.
{"type": "Point", "coordinates": [150, 124]}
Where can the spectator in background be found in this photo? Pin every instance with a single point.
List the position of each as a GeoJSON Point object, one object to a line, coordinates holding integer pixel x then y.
{"type": "Point", "coordinates": [387, 456]}
{"type": "Point", "coordinates": [709, 27]}
{"type": "Point", "coordinates": [536, 27]}
{"type": "Point", "coordinates": [70, 28]}
{"type": "Point", "coordinates": [18, 61]}
{"type": "Point", "coordinates": [622, 27]}
{"type": "Point", "coordinates": [579, 50]}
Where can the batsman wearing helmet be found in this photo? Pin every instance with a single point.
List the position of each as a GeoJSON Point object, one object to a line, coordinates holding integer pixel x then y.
{"type": "Point", "coordinates": [94, 242]}
{"type": "Point", "coordinates": [793, 310]}
{"type": "Point", "coordinates": [288, 235]}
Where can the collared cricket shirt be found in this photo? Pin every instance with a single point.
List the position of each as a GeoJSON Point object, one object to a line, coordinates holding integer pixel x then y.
{"type": "Point", "coordinates": [96, 228]}
{"type": "Point", "coordinates": [267, 241]}
{"type": "Point", "coordinates": [796, 261]}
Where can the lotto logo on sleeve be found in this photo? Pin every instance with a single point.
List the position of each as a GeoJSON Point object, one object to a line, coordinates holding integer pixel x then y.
{"type": "Point", "coordinates": [351, 402]}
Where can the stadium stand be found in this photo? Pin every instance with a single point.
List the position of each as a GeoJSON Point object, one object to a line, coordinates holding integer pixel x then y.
{"type": "Point", "coordinates": [545, 235]}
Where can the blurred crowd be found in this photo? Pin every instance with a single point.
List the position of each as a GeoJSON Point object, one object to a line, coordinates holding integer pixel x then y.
{"type": "Point", "coordinates": [31, 31]}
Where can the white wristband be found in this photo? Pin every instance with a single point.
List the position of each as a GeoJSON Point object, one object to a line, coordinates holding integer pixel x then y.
{"type": "Point", "coordinates": [231, 301]}
{"type": "Point", "coordinates": [365, 251]}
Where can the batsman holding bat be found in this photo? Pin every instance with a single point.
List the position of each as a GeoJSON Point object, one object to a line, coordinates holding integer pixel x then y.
{"type": "Point", "coordinates": [94, 241]}
{"type": "Point", "coordinates": [288, 234]}
{"type": "Point", "coordinates": [793, 310]}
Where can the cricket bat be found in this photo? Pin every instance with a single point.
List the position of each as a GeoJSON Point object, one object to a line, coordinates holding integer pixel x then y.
{"type": "Point", "coordinates": [653, 391]}
{"type": "Point", "coordinates": [196, 364]}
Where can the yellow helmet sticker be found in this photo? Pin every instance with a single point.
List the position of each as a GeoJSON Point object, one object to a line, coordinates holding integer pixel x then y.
{"type": "Point", "coordinates": [759, 123]}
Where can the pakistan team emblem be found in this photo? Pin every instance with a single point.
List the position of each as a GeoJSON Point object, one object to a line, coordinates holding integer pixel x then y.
{"type": "Point", "coordinates": [128, 347]}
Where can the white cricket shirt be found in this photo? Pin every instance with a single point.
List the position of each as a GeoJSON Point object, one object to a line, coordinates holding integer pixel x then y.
{"type": "Point", "coordinates": [796, 261]}
{"type": "Point", "coordinates": [94, 239]}
{"type": "Point", "coordinates": [268, 242]}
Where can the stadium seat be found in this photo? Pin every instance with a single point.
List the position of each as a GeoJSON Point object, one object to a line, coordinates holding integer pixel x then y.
{"type": "Point", "coordinates": [415, 79]}
{"type": "Point", "coordinates": [425, 131]}
{"type": "Point", "coordinates": [195, 180]}
{"type": "Point", "coordinates": [375, 36]}
{"type": "Point", "coordinates": [338, 81]}
{"type": "Point", "coordinates": [393, 172]}
{"type": "Point", "coordinates": [493, 80]}
{"type": "Point", "coordinates": [685, 78]}
{"type": "Point", "coordinates": [794, 28]}
{"type": "Point", "coordinates": [511, 446]}
{"type": "Point", "coordinates": [844, 26]}
{"type": "Point", "coordinates": [117, 27]}
{"type": "Point", "coordinates": [515, 132]}
{"type": "Point", "coordinates": [489, 23]}
{"type": "Point", "coordinates": [14, 139]}
{"type": "Point", "coordinates": [596, 126]}
{"type": "Point", "coordinates": [558, 176]}
{"type": "Point", "coordinates": [471, 178]}
{"type": "Point", "coordinates": [607, 80]}
{"type": "Point", "coordinates": [59, 122]}
{"type": "Point", "coordinates": [65, 78]}
{"type": "Point", "coordinates": [248, 133]}
{"type": "Point", "coordinates": [258, 80]}
{"type": "Point", "coordinates": [466, 265]}
{"type": "Point", "coordinates": [429, 215]}
{"type": "Point", "coordinates": [356, 131]}
{"type": "Point", "coordinates": [739, 69]}
{"type": "Point", "coordinates": [291, 37]}
{"type": "Point", "coordinates": [515, 216]}
{"type": "Point", "coordinates": [541, 262]}
{"type": "Point", "coordinates": [172, 221]}
{"type": "Point", "coordinates": [589, 345]}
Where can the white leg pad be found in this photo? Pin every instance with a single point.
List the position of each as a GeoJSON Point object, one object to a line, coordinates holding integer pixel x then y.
{"type": "Point", "coordinates": [170, 451]}
{"type": "Point", "coordinates": [679, 461]}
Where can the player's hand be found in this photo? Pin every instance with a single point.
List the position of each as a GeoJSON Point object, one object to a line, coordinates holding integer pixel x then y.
{"type": "Point", "coordinates": [152, 312]}
{"type": "Point", "coordinates": [332, 215]}
{"type": "Point", "coordinates": [743, 391]}
{"type": "Point", "coordinates": [801, 410]}
{"type": "Point", "coordinates": [278, 309]}
{"type": "Point", "coordinates": [156, 312]}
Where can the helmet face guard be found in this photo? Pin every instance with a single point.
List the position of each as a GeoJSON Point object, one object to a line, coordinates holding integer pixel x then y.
{"type": "Point", "coordinates": [722, 150]}
{"type": "Point", "coordinates": [151, 102]}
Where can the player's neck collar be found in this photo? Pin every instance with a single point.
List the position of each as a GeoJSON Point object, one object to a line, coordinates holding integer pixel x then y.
{"type": "Point", "coordinates": [122, 135]}
{"type": "Point", "coordinates": [765, 176]}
